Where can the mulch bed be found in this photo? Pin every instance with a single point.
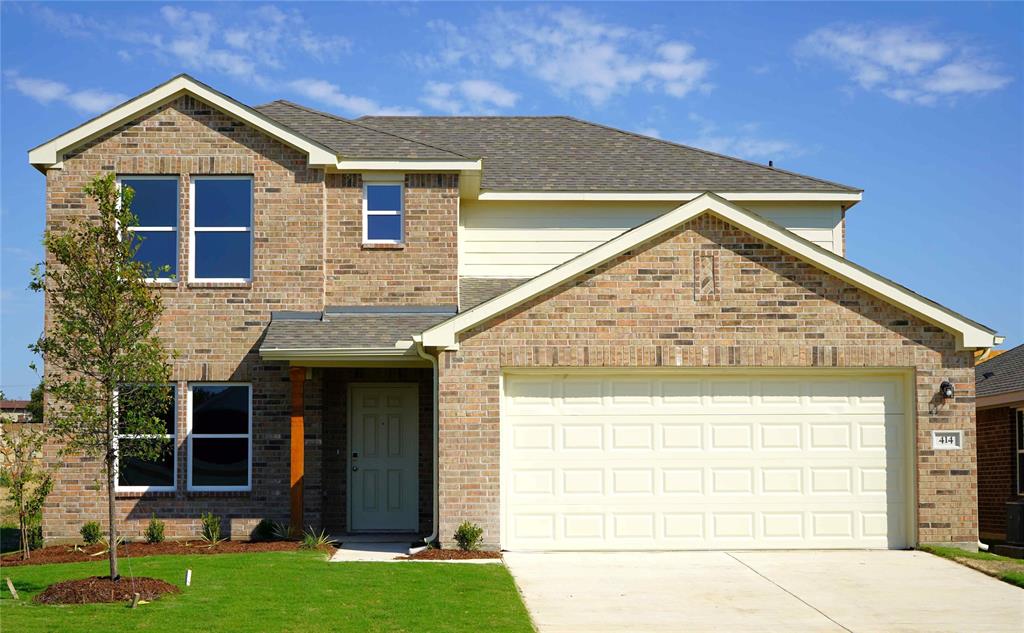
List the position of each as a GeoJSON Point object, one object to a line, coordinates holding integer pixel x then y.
{"type": "Point", "coordinates": [68, 553]}
{"type": "Point", "coordinates": [449, 554]}
{"type": "Point", "coordinates": [103, 589]}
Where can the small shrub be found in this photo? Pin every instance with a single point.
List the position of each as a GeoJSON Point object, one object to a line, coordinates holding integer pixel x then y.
{"type": "Point", "coordinates": [91, 533]}
{"type": "Point", "coordinates": [211, 528]}
{"type": "Point", "coordinates": [468, 536]}
{"type": "Point", "coordinates": [280, 531]}
{"type": "Point", "coordinates": [313, 540]}
{"type": "Point", "coordinates": [35, 537]}
{"type": "Point", "coordinates": [155, 530]}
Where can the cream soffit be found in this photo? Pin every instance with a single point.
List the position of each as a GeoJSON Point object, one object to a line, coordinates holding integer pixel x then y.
{"type": "Point", "coordinates": [51, 153]}
{"type": "Point", "coordinates": [669, 196]}
{"type": "Point", "coordinates": [968, 333]}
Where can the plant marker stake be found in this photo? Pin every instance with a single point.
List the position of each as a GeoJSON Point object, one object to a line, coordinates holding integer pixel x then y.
{"type": "Point", "coordinates": [188, 577]}
{"type": "Point", "coordinates": [135, 599]}
{"type": "Point", "coordinates": [10, 586]}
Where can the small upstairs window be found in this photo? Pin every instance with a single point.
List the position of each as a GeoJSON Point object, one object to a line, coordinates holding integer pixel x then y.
{"type": "Point", "coordinates": [155, 204]}
{"type": "Point", "coordinates": [221, 229]}
{"type": "Point", "coordinates": [382, 214]}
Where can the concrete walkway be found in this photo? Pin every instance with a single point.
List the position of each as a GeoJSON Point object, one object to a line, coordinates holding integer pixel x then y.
{"type": "Point", "coordinates": [809, 592]}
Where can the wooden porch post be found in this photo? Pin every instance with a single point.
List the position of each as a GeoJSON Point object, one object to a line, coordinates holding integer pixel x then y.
{"type": "Point", "coordinates": [298, 453]}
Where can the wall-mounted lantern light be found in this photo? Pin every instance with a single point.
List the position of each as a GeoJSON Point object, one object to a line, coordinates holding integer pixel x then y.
{"type": "Point", "coordinates": [946, 389]}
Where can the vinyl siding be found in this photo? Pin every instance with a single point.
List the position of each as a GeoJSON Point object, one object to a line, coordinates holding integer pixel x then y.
{"type": "Point", "coordinates": [524, 239]}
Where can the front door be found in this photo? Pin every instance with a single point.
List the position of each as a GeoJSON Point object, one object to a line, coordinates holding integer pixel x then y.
{"type": "Point", "coordinates": [383, 458]}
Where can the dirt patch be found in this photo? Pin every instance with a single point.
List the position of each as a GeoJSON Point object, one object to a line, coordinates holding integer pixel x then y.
{"type": "Point", "coordinates": [72, 554]}
{"type": "Point", "coordinates": [991, 567]}
{"type": "Point", "coordinates": [449, 554]}
{"type": "Point", "coordinates": [103, 589]}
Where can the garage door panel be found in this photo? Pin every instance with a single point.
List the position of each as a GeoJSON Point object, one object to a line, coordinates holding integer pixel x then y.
{"type": "Point", "coordinates": [645, 461]}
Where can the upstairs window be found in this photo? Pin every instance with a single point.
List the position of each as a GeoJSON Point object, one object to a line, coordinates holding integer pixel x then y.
{"type": "Point", "coordinates": [382, 214]}
{"type": "Point", "coordinates": [155, 204]}
{"type": "Point", "coordinates": [221, 229]}
{"type": "Point", "coordinates": [153, 473]}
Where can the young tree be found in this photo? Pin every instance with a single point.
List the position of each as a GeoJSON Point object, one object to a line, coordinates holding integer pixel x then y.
{"type": "Point", "coordinates": [27, 481]}
{"type": "Point", "coordinates": [106, 369]}
{"type": "Point", "coordinates": [35, 404]}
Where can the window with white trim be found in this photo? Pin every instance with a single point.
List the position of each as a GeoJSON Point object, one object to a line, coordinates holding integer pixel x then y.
{"type": "Point", "coordinates": [155, 205]}
{"type": "Point", "coordinates": [1020, 451]}
{"type": "Point", "coordinates": [135, 474]}
{"type": "Point", "coordinates": [221, 236]}
{"type": "Point", "coordinates": [383, 221]}
{"type": "Point", "coordinates": [219, 436]}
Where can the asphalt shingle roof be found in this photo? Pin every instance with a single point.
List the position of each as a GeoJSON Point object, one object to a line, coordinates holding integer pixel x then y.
{"type": "Point", "coordinates": [352, 329]}
{"type": "Point", "coordinates": [559, 153]}
{"type": "Point", "coordinates": [348, 138]}
{"type": "Point", "coordinates": [475, 290]}
{"type": "Point", "coordinates": [1007, 373]}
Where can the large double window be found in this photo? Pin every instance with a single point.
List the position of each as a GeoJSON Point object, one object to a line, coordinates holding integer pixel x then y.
{"type": "Point", "coordinates": [221, 236]}
{"type": "Point", "coordinates": [383, 221]}
{"type": "Point", "coordinates": [155, 472]}
{"type": "Point", "coordinates": [1020, 451]}
{"type": "Point", "coordinates": [220, 436]}
{"type": "Point", "coordinates": [155, 205]}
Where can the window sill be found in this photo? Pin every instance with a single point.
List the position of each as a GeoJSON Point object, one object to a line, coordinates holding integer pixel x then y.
{"type": "Point", "coordinates": [383, 246]}
{"type": "Point", "coordinates": [218, 493]}
{"type": "Point", "coordinates": [220, 284]}
{"type": "Point", "coordinates": [139, 494]}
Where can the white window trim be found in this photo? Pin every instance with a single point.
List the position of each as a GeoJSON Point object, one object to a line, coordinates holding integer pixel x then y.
{"type": "Point", "coordinates": [400, 212]}
{"type": "Point", "coordinates": [155, 229]}
{"type": "Point", "coordinates": [1018, 431]}
{"type": "Point", "coordinates": [218, 229]}
{"type": "Point", "coordinates": [174, 463]}
{"type": "Point", "coordinates": [248, 435]}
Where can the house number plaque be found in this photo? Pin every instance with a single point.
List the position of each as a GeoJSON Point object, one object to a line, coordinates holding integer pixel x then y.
{"type": "Point", "coordinates": [947, 440]}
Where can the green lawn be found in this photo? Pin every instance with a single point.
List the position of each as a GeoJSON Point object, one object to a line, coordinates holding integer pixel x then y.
{"type": "Point", "coordinates": [1007, 569]}
{"type": "Point", "coordinates": [280, 591]}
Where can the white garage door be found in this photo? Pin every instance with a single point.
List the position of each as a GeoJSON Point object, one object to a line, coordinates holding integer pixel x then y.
{"type": "Point", "coordinates": [690, 461]}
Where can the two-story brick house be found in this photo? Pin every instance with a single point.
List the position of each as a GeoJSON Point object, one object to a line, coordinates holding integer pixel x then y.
{"type": "Point", "coordinates": [574, 336]}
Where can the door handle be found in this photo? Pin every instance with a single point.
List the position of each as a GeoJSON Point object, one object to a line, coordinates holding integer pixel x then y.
{"type": "Point", "coordinates": [355, 468]}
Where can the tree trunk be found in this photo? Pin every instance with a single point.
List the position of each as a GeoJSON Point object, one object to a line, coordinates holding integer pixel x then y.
{"type": "Point", "coordinates": [111, 518]}
{"type": "Point", "coordinates": [23, 526]}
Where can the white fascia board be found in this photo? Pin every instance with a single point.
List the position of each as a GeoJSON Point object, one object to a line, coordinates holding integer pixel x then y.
{"type": "Point", "coordinates": [50, 154]}
{"type": "Point", "coordinates": [667, 196]}
{"type": "Point", "coordinates": [409, 165]}
{"type": "Point", "coordinates": [969, 335]}
{"type": "Point", "coordinates": [401, 349]}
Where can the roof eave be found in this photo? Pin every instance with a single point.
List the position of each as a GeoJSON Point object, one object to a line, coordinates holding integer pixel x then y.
{"type": "Point", "coordinates": [851, 197]}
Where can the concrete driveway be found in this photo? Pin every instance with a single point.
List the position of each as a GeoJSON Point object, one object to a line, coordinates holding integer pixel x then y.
{"type": "Point", "coordinates": [806, 592]}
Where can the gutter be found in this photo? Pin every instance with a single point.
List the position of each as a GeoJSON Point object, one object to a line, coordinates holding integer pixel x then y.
{"type": "Point", "coordinates": [422, 353]}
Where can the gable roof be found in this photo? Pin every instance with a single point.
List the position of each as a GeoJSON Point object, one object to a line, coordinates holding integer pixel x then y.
{"type": "Point", "coordinates": [969, 334]}
{"type": "Point", "coordinates": [349, 138]}
{"type": "Point", "coordinates": [560, 153]}
{"type": "Point", "coordinates": [51, 153]}
{"type": "Point", "coordinates": [1002, 374]}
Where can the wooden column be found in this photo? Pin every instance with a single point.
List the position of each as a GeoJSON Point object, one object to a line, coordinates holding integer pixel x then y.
{"type": "Point", "coordinates": [298, 442]}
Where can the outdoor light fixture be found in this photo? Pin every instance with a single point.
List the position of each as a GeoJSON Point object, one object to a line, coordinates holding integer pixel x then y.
{"type": "Point", "coordinates": [946, 389]}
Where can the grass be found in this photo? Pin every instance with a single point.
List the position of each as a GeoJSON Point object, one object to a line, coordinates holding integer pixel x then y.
{"type": "Point", "coordinates": [1007, 569]}
{"type": "Point", "coordinates": [280, 591]}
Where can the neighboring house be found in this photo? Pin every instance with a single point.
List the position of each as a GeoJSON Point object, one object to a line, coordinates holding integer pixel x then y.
{"type": "Point", "coordinates": [14, 411]}
{"type": "Point", "coordinates": [1000, 404]}
{"type": "Point", "coordinates": [574, 336]}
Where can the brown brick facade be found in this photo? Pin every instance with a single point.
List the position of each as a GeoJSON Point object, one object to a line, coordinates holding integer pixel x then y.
{"type": "Point", "coordinates": [216, 328]}
{"type": "Point", "coordinates": [997, 446]}
{"type": "Point", "coordinates": [768, 310]}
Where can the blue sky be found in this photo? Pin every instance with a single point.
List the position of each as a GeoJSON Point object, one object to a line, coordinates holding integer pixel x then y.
{"type": "Point", "coordinates": [919, 104]}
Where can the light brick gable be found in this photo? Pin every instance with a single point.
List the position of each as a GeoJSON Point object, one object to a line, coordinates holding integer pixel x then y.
{"type": "Point", "coordinates": [642, 309]}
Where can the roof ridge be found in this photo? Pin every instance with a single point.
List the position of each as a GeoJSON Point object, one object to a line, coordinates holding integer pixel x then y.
{"type": "Point", "coordinates": [709, 153]}
{"type": "Point", "coordinates": [366, 127]}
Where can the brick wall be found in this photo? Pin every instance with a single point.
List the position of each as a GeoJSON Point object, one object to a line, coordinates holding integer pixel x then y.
{"type": "Point", "coordinates": [423, 271]}
{"type": "Point", "coordinates": [767, 310]}
{"type": "Point", "coordinates": [216, 328]}
{"type": "Point", "coordinates": [997, 448]}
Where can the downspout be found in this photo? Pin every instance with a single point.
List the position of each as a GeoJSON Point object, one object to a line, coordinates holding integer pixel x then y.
{"type": "Point", "coordinates": [418, 341]}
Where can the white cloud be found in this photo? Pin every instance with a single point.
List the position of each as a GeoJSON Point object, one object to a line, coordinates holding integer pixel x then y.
{"type": "Point", "coordinates": [575, 54]}
{"type": "Point", "coordinates": [907, 64]}
{"type": "Point", "coordinates": [745, 141]}
{"type": "Point", "coordinates": [331, 95]}
{"type": "Point", "coordinates": [46, 91]}
{"type": "Point", "coordinates": [474, 96]}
